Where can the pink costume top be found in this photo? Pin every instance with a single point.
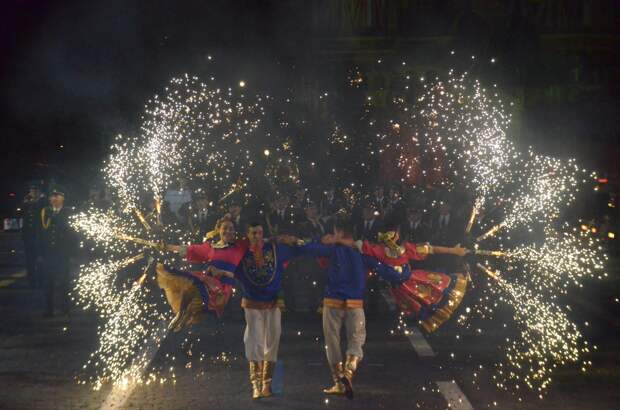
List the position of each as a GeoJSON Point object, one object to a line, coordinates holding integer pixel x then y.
{"type": "Point", "coordinates": [216, 292]}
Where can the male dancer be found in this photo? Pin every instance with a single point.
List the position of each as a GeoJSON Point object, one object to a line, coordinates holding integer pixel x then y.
{"type": "Point", "coordinates": [260, 274]}
{"type": "Point", "coordinates": [343, 303]}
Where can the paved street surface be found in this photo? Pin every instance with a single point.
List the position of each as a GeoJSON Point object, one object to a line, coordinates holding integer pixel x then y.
{"type": "Point", "coordinates": [40, 358]}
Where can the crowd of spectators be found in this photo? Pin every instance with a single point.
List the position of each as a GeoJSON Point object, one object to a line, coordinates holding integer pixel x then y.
{"type": "Point", "coordinates": [420, 215]}
{"type": "Point", "coordinates": [429, 214]}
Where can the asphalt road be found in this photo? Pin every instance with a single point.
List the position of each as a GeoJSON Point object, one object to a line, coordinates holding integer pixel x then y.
{"type": "Point", "coordinates": [41, 358]}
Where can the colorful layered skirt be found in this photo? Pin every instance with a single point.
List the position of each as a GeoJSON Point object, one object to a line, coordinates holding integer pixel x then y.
{"type": "Point", "coordinates": [194, 292]}
{"type": "Point", "coordinates": [430, 297]}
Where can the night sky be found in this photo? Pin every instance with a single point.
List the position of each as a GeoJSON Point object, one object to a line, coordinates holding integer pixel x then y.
{"type": "Point", "coordinates": [74, 74]}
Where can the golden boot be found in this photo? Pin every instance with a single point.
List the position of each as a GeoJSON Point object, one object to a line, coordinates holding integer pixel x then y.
{"type": "Point", "coordinates": [255, 377]}
{"type": "Point", "coordinates": [183, 315]}
{"type": "Point", "coordinates": [267, 377]}
{"type": "Point", "coordinates": [350, 366]}
{"type": "Point", "coordinates": [338, 387]}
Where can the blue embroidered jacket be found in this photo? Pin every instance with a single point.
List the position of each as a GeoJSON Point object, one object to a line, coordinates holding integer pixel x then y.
{"type": "Point", "coordinates": [263, 284]}
{"type": "Point", "coordinates": [347, 269]}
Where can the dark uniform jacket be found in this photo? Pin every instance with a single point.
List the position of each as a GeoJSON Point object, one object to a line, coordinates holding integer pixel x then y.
{"type": "Point", "coordinates": [329, 210]}
{"type": "Point", "coordinates": [368, 230]}
{"type": "Point", "coordinates": [195, 221]}
{"type": "Point", "coordinates": [447, 229]}
{"type": "Point", "coordinates": [31, 216]}
{"type": "Point", "coordinates": [58, 241]}
{"type": "Point", "coordinates": [312, 230]}
{"type": "Point", "coordinates": [283, 222]}
{"type": "Point", "coordinates": [411, 232]}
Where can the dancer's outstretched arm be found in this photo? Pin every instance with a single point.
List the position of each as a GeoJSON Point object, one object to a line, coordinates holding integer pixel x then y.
{"type": "Point", "coordinates": [393, 275]}
{"type": "Point", "coordinates": [454, 250]}
{"type": "Point", "coordinates": [220, 272]}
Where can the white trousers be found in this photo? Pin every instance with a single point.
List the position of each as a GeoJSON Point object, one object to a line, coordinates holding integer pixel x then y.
{"type": "Point", "coordinates": [354, 322]}
{"type": "Point", "coordinates": [262, 334]}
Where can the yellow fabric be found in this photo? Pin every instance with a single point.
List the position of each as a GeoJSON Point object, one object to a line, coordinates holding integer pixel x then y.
{"type": "Point", "coordinates": [45, 221]}
{"type": "Point", "coordinates": [454, 300]}
{"type": "Point", "coordinates": [178, 288]}
{"type": "Point", "coordinates": [389, 239]}
{"type": "Point", "coordinates": [424, 249]}
{"type": "Point", "coordinates": [211, 234]}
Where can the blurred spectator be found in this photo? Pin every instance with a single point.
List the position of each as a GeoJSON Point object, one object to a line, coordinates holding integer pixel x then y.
{"type": "Point", "coordinates": [160, 217]}
{"type": "Point", "coordinates": [311, 226]}
{"type": "Point", "coordinates": [415, 229]}
{"type": "Point", "coordinates": [300, 200]}
{"type": "Point", "coordinates": [282, 218]}
{"type": "Point", "coordinates": [235, 209]}
{"type": "Point", "coordinates": [446, 226]}
{"type": "Point", "coordinates": [447, 230]}
{"type": "Point", "coordinates": [379, 200]}
{"type": "Point", "coordinates": [394, 209]}
{"type": "Point", "coordinates": [369, 225]}
{"type": "Point", "coordinates": [198, 216]}
{"type": "Point", "coordinates": [98, 198]}
{"type": "Point", "coordinates": [179, 196]}
{"type": "Point", "coordinates": [329, 208]}
{"type": "Point", "coordinates": [33, 202]}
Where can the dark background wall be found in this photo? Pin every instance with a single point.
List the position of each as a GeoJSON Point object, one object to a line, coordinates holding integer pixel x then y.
{"type": "Point", "coordinates": [74, 74]}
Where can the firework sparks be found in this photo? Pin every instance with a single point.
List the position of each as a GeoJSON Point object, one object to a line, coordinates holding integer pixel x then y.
{"type": "Point", "coordinates": [547, 337]}
{"type": "Point", "coordinates": [519, 195]}
{"type": "Point", "coordinates": [194, 132]}
{"type": "Point", "coordinates": [564, 260]}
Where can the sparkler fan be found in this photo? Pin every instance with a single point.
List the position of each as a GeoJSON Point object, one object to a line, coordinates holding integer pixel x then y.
{"type": "Point", "coordinates": [516, 230]}
{"type": "Point", "coordinates": [197, 134]}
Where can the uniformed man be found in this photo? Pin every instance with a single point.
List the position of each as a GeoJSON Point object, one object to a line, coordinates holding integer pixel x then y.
{"type": "Point", "coordinates": [33, 202]}
{"type": "Point", "coordinates": [57, 247]}
{"type": "Point", "coordinates": [198, 216]}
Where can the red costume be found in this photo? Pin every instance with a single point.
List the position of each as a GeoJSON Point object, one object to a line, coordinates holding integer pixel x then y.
{"type": "Point", "coordinates": [431, 296]}
{"type": "Point", "coordinates": [200, 291]}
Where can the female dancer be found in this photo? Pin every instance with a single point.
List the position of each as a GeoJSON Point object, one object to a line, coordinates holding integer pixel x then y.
{"type": "Point", "coordinates": [192, 294]}
{"type": "Point", "coordinates": [430, 297]}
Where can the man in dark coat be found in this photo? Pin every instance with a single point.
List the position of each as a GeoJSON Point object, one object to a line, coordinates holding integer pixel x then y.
{"type": "Point", "coordinates": [369, 225]}
{"type": "Point", "coordinates": [57, 246]}
{"type": "Point", "coordinates": [311, 226]}
{"type": "Point", "coordinates": [415, 228]}
{"type": "Point", "coordinates": [447, 230]}
{"type": "Point", "coordinates": [329, 208]}
{"type": "Point", "coordinates": [282, 218]}
{"type": "Point", "coordinates": [31, 215]}
{"type": "Point", "coordinates": [310, 272]}
{"type": "Point", "coordinates": [394, 209]}
{"type": "Point", "coordinates": [237, 215]}
{"type": "Point", "coordinates": [198, 216]}
{"type": "Point", "coordinates": [447, 226]}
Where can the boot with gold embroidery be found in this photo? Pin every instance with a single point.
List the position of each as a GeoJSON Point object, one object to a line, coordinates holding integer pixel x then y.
{"type": "Point", "coordinates": [267, 377]}
{"type": "Point", "coordinates": [183, 315]}
{"type": "Point", "coordinates": [255, 377]}
{"type": "Point", "coordinates": [338, 387]}
{"type": "Point", "coordinates": [350, 366]}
